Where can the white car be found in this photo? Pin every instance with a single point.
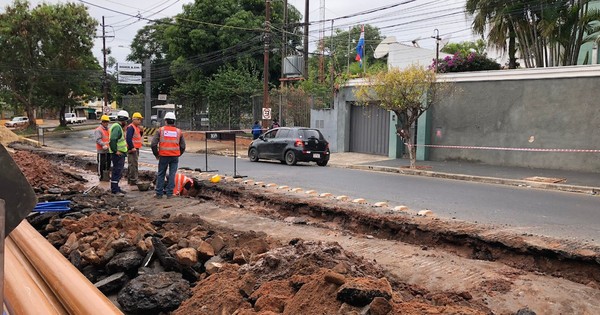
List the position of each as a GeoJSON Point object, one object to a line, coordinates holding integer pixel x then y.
{"type": "Point", "coordinates": [72, 118]}
{"type": "Point", "coordinates": [18, 121]}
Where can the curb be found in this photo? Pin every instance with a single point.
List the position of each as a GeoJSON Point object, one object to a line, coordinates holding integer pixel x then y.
{"type": "Point", "coordinates": [481, 179]}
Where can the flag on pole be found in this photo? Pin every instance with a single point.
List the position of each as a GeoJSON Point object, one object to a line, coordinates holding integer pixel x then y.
{"type": "Point", "coordinates": [360, 47]}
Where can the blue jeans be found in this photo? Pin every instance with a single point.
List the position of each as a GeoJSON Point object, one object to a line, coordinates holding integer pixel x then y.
{"type": "Point", "coordinates": [118, 162]}
{"type": "Point", "coordinates": [172, 162]}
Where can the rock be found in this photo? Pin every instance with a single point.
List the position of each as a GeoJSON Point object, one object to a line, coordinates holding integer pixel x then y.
{"type": "Point", "coordinates": [69, 245]}
{"type": "Point", "coordinates": [187, 256]}
{"type": "Point", "coordinates": [239, 257]}
{"type": "Point", "coordinates": [380, 306]}
{"type": "Point", "coordinates": [217, 243]}
{"type": "Point", "coordinates": [75, 259]}
{"type": "Point", "coordinates": [112, 283]}
{"type": "Point", "coordinates": [125, 261]}
{"type": "Point", "coordinates": [90, 256]}
{"type": "Point", "coordinates": [55, 190]}
{"type": "Point", "coordinates": [361, 291]}
{"type": "Point", "coordinates": [295, 220]}
{"type": "Point", "coordinates": [525, 311]}
{"type": "Point", "coordinates": [213, 265]}
{"type": "Point", "coordinates": [91, 272]}
{"type": "Point", "coordinates": [154, 293]}
{"type": "Point", "coordinates": [247, 285]}
{"type": "Point", "coordinates": [347, 309]}
{"type": "Point", "coordinates": [166, 260]}
{"type": "Point", "coordinates": [335, 278]}
{"type": "Point", "coordinates": [205, 251]}
{"type": "Point", "coordinates": [170, 238]}
{"type": "Point", "coordinates": [257, 246]}
{"type": "Point", "coordinates": [120, 244]}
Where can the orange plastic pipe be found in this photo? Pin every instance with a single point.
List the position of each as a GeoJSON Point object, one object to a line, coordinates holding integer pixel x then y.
{"type": "Point", "coordinates": [24, 291]}
{"type": "Point", "coordinates": [75, 292]}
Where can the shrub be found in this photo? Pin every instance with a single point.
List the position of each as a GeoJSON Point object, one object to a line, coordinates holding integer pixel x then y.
{"type": "Point", "coordinates": [461, 63]}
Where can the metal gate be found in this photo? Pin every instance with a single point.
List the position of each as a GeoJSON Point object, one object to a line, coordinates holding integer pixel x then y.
{"type": "Point", "coordinates": [369, 130]}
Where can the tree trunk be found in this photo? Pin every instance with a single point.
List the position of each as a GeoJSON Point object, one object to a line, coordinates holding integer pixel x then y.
{"type": "Point", "coordinates": [512, 47]}
{"type": "Point", "coordinates": [61, 116]}
{"type": "Point", "coordinates": [30, 116]}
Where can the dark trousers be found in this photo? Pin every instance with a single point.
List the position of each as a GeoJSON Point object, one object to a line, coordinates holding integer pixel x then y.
{"type": "Point", "coordinates": [103, 164]}
{"type": "Point", "coordinates": [118, 162]}
{"type": "Point", "coordinates": [132, 166]}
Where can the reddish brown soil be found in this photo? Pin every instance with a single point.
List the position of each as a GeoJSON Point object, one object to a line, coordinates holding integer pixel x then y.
{"type": "Point", "coordinates": [40, 172]}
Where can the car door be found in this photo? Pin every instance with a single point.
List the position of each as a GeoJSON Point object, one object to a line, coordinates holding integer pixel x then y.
{"type": "Point", "coordinates": [280, 142]}
{"type": "Point", "coordinates": [265, 144]}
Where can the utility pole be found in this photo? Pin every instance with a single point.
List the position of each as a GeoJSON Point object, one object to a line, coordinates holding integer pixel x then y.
{"type": "Point", "coordinates": [147, 93]}
{"type": "Point", "coordinates": [104, 81]}
{"type": "Point", "coordinates": [267, 39]}
{"type": "Point", "coordinates": [437, 48]}
{"type": "Point", "coordinates": [306, 39]}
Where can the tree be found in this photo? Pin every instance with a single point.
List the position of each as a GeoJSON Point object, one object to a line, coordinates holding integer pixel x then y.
{"type": "Point", "coordinates": [460, 62]}
{"type": "Point", "coordinates": [465, 48]}
{"type": "Point", "coordinates": [407, 92]}
{"type": "Point", "coordinates": [46, 54]}
{"type": "Point", "coordinates": [495, 17]}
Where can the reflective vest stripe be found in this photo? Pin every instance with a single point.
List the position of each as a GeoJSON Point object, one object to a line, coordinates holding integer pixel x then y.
{"type": "Point", "coordinates": [168, 144]}
{"type": "Point", "coordinates": [137, 137]}
{"type": "Point", "coordinates": [105, 137]}
{"type": "Point", "coordinates": [180, 181]}
{"type": "Point", "coordinates": [121, 143]}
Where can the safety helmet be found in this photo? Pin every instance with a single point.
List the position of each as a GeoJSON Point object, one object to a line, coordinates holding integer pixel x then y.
{"type": "Point", "coordinates": [170, 115]}
{"type": "Point", "coordinates": [215, 179]}
{"type": "Point", "coordinates": [104, 118]}
{"type": "Point", "coordinates": [137, 115]}
{"type": "Point", "coordinates": [122, 115]}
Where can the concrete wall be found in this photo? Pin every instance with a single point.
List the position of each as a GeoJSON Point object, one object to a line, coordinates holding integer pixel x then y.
{"type": "Point", "coordinates": [545, 109]}
{"type": "Point", "coordinates": [334, 123]}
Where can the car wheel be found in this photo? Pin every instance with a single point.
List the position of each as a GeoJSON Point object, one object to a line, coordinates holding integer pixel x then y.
{"type": "Point", "coordinates": [253, 155]}
{"type": "Point", "coordinates": [290, 158]}
{"type": "Point", "coordinates": [322, 162]}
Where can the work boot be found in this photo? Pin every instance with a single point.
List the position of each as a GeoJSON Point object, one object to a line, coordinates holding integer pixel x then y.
{"type": "Point", "coordinates": [158, 196]}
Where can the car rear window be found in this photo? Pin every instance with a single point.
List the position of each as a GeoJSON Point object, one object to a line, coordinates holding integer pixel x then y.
{"type": "Point", "coordinates": [309, 133]}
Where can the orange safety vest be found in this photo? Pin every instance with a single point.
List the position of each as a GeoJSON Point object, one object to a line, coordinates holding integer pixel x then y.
{"type": "Point", "coordinates": [168, 144]}
{"type": "Point", "coordinates": [137, 137]}
{"type": "Point", "coordinates": [105, 137]}
{"type": "Point", "coordinates": [180, 181]}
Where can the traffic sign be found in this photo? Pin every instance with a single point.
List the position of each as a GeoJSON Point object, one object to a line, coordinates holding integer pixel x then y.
{"type": "Point", "coordinates": [266, 113]}
{"type": "Point", "coordinates": [106, 110]}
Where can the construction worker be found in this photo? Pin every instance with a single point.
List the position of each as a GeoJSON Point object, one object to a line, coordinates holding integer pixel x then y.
{"type": "Point", "coordinates": [103, 157]}
{"type": "Point", "coordinates": [118, 150]}
{"type": "Point", "coordinates": [133, 137]}
{"type": "Point", "coordinates": [167, 145]}
{"type": "Point", "coordinates": [185, 185]}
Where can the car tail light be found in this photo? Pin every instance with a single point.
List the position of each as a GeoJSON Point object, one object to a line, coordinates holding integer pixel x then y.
{"type": "Point", "coordinates": [299, 143]}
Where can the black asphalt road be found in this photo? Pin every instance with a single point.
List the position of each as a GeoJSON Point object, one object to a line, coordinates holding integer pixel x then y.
{"type": "Point", "coordinates": [525, 210]}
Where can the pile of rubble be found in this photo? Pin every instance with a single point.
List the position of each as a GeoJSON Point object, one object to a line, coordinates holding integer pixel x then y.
{"type": "Point", "coordinates": [46, 177]}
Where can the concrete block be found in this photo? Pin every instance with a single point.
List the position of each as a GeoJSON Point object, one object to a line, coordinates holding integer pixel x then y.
{"type": "Point", "coordinates": [296, 190]}
{"type": "Point", "coordinates": [237, 180]}
{"type": "Point", "coordinates": [283, 187]}
{"type": "Point", "coordinates": [271, 185]}
{"type": "Point", "coordinates": [342, 198]}
{"type": "Point", "coordinates": [259, 183]}
{"type": "Point", "coordinates": [401, 208]}
{"type": "Point", "coordinates": [381, 204]}
{"type": "Point", "coordinates": [324, 195]}
{"type": "Point", "coordinates": [359, 200]}
{"type": "Point", "coordinates": [248, 182]}
{"type": "Point", "coordinates": [311, 192]}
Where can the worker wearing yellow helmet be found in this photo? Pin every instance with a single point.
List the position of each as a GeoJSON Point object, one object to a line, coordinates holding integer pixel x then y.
{"type": "Point", "coordinates": [133, 137]}
{"type": "Point", "coordinates": [103, 157]}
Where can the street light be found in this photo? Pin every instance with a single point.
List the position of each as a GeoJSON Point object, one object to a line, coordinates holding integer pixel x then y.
{"type": "Point", "coordinates": [437, 47]}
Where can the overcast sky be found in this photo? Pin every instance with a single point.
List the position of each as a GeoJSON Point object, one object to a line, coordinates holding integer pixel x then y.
{"type": "Point", "coordinates": [407, 20]}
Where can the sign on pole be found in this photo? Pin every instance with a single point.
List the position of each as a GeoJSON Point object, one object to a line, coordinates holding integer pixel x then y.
{"type": "Point", "coordinates": [106, 110]}
{"type": "Point", "coordinates": [129, 67]}
{"type": "Point", "coordinates": [130, 79]}
{"type": "Point", "coordinates": [266, 113]}
{"type": "Point", "coordinates": [162, 97]}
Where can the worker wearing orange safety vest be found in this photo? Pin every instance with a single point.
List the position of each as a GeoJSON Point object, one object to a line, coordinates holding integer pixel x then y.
{"type": "Point", "coordinates": [167, 145]}
{"type": "Point", "coordinates": [103, 156]}
{"type": "Point", "coordinates": [182, 185]}
{"type": "Point", "coordinates": [133, 137]}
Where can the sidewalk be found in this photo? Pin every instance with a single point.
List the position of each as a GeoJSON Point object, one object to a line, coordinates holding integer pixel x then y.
{"type": "Point", "coordinates": [570, 181]}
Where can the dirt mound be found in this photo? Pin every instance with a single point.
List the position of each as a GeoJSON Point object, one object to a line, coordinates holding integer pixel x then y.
{"type": "Point", "coordinates": [41, 173]}
{"type": "Point", "coordinates": [7, 136]}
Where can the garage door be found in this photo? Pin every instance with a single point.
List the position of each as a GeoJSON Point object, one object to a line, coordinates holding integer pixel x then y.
{"type": "Point", "coordinates": [369, 130]}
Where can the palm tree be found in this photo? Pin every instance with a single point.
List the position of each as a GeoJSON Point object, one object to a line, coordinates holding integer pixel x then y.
{"type": "Point", "coordinates": [495, 18]}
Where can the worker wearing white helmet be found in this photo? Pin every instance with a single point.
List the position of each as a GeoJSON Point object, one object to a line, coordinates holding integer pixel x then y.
{"type": "Point", "coordinates": [103, 157]}
{"type": "Point", "coordinates": [118, 150]}
{"type": "Point", "coordinates": [167, 145]}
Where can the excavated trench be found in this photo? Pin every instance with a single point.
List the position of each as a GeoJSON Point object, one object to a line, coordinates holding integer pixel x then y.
{"type": "Point", "coordinates": [557, 258]}
{"type": "Point", "coordinates": [576, 262]}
